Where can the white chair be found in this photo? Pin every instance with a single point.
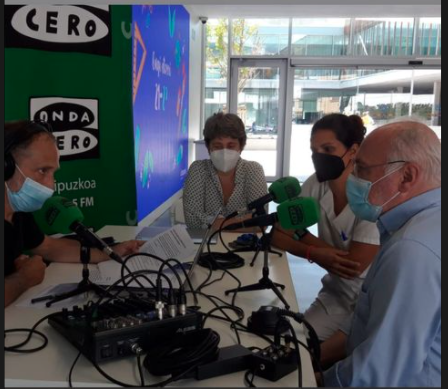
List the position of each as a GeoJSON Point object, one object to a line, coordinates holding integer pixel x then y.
{"type": "Point", "coordinates": [177, 212]}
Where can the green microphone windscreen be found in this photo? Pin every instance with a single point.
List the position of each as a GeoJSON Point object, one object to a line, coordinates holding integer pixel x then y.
{"type": "Point", "coordinates": [299, 213]}
{"type": "Point", "coordinates": [59, 213]}
{"type": "Point", "coordinates": [284, 189]}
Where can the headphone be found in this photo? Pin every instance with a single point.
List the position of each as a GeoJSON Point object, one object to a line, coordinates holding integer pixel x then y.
{"type": "Point", "coordinates": [19, 136]}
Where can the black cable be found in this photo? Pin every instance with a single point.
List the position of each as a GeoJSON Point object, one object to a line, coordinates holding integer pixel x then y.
{"type": "Point", "coordinates": [298, 317]}
{"type": "Point", "coordinates": [140, 370]}
{"type": "Point", "coordinates": [164, 263]}
{"type": "Point", "coordinates": [315, 353]}
{"type": "Point", "coordinates": [93, 308]}
{"type": "Point", "coordinates": [124, 267]}
{"type": "Point", "coordinates": [249, 382]}
{"type": "Point", "coordinates": [182, 352]}
{"type": "Point", "coordinates": [215, 280]}
{"type": "Point", "coordinates": [199, 288]}
{"type": "Point", "coordinates": [187, 278]}
{"type": "Point", "coordinates": [252, 379]}
{"type": "Point", "coordinates": [228, 272]}
{"type": "Point", "coordinates": [156, 385]}
{"type": "Point", "coordinates": [16, 348]}
{"type": "Point", "coordinates": [228, 260]}
{"type": "Point", "coordinates": [234, 323]}
{"type": "Point", "coordinates": [209, 314]}
{"type": "Point", "coordinates": [71, 370]}
{"type": "Point", "coordinates": [131, 274]}
{"type": "Point", "coordinates": [181, 292]}
{"type": "Point", "coordinates": [125, 286]}
{"type": "Point", "coordinates": [297, 347]}
{"type": "Point", "coordinates": [227, 317]}
{"type": "Point", "coordinates": [31, 350]}
{"type": "Point", "coordinates": [313, 338]}
{"type": "Point", "coordinates": [132, 277]}
{"type": "Point", "coordinates": [220, 229]}
{"type": "Point", "coordinates": [264, 337]}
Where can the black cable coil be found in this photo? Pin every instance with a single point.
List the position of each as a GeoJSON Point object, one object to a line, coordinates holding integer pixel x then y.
{"type": "Point", "coordinates": [218, 261]}
{"type": "Point", "coordinates": [184, 352]}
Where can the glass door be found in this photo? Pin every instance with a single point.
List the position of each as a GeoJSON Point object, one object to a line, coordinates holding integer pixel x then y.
{"type": "Point", "coordinates": [257, 96]}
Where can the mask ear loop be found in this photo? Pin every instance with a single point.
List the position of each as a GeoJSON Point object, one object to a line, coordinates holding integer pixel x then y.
{"type": "Point", "coordinates": [387, 175]}
{"type": "Point", "coordinates": [23, 175]}
{"type": "Point", "coordinates": [20, 170]}
{"type": "Point", "coordinates": [351, 160]}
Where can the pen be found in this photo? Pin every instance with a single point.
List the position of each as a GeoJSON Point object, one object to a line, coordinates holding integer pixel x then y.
{"type": "Point", "coordinates": [43, 298]}
{"type": "Point", "coordinates": [343, 236]}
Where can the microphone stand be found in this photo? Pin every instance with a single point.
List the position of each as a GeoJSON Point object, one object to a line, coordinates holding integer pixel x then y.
{"type": "Point", "coordinates": [260, 245]}
{"type": "Point", "coordinates": [265, 282]}
{"type": "Point", "coordinates": [85, 285]}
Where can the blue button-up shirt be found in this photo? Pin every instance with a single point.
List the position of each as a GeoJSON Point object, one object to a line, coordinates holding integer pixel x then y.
{"type": "Point", "coordinates": [396, 335]}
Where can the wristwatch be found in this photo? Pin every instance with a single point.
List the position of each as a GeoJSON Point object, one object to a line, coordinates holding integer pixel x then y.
{"type": "Point", "coordinates": [299, 234]}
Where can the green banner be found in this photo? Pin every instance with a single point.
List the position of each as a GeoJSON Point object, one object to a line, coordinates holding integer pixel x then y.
{"type": "Point", "coordinates": [85, 93]}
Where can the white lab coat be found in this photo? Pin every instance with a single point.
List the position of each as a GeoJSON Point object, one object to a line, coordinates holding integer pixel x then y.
{"type": "Point", "coordinates": [337, 298]}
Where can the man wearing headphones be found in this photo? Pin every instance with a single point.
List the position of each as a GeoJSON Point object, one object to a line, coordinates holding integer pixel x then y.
{"type": "Point", "coordinates": [31, 160]}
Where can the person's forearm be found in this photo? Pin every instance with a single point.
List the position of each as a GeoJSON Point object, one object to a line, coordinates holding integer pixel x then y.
{"type": "Point", "coordinates": [14, 287]}
{"type": "Point", "coordinates": [283, 239]}
{"type": "Point", "coordinates": [312, 240]}
{"type": "Point", "coordinates": [67, 251]}
{"type": "Point", "coordinates": [333, 349]}
{"type": "Point", "coordinates": [237, 219]}
{"type": "Point", "coordinates": [287, 243]}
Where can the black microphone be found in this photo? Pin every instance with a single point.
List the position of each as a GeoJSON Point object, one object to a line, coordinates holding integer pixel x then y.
{"type": "Point", "coordinates": [292, 215]}
{"type": "Point", "coordinates": [260, 221]}
{"type": "Point", "coordinates": [63, 216]}
{"type": "Point", "coordinates": [286, 188]}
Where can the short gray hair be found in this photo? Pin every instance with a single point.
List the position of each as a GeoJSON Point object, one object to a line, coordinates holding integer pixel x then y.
{"type": "Point", "coordinates": [412, 144]}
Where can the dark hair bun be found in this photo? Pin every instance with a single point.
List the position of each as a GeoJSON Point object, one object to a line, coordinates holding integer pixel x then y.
{"type": "Point", "coordinates": [349, 130]}
{"type": "Point", "coordinates": [358, 124]}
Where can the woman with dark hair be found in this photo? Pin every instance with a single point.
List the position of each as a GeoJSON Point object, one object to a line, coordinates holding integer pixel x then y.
{"type": "Point", "coordinates": [346, 244]}
{"type": "Point", "coordinates": [224, 182]}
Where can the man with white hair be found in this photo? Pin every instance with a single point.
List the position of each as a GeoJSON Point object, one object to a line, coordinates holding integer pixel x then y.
{"type": "Point", "coordinates": [395, 336]}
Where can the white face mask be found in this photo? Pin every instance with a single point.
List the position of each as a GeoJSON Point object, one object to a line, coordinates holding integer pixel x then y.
{"type": "Point", "coordinates": [225, 160]}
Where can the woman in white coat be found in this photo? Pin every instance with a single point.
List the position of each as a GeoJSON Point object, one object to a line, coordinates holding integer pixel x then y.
{"type": "Point", "coordinates": [346, 245]}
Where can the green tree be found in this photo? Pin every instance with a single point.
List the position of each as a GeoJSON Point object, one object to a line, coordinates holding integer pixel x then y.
{"type": "Point", "coordinates": [245, 41]}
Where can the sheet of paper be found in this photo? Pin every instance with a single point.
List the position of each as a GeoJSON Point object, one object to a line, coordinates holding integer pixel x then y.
{"type": "Point", "coordinates": [174, 243]}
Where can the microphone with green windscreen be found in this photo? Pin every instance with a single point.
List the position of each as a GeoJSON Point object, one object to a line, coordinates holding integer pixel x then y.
{"type": "Point", "coordinates": [298, 214]}
{"type": "Point", "coordinates": [284, 189]}
{"type": "Point", "coordinates": [60, 213]}
{"type": "Point", "coordinates": [62, 216]}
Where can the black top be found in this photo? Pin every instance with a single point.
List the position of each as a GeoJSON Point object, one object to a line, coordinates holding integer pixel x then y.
{"type": "Point", "coordinates": [22, 234]}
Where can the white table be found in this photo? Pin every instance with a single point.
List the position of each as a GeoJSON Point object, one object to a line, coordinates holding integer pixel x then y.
{"type": "Point", "coordinates": [50, 366]}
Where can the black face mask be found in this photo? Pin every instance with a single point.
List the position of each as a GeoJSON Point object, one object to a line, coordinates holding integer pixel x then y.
{"type": "Point", "coordinates": [328, 167]}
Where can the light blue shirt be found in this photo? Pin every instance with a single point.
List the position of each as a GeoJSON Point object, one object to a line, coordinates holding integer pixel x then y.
{"type": "Point", "coordinates": [396, 335]}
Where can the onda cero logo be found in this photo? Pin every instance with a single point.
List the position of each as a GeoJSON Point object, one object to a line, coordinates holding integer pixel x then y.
{"type": "Point", "coordinates": [74, 123]}
{"type": "Point", "coordinates": [59, 28]}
